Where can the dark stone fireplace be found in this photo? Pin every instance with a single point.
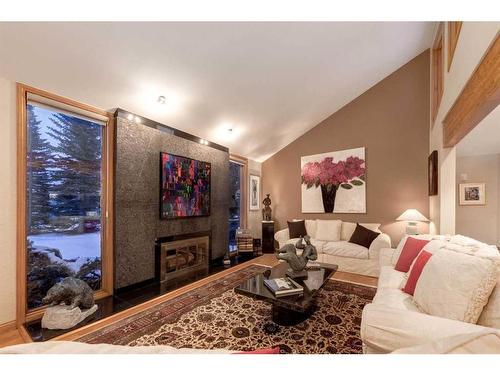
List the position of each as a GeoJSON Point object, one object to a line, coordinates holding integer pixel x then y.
{"type": "Point", "coordinates": [137, 198]}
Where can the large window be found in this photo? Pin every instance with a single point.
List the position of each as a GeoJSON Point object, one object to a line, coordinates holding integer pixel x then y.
{"type": "Point", "coordinates": [66, 195]}
{"type": "Point", "coordinates": [237, 206]}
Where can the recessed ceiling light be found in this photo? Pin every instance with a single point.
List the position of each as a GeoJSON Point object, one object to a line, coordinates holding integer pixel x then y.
{"type": "Point", "coordinates": [130, 116]}
{"type": "Point", "coordinates": [162, 99]}
{"type": "Point", "coordinates": [137, 119]}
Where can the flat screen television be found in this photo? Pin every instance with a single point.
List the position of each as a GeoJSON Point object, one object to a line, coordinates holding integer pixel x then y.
{"type": "Point", "coordinates": [184, 187]}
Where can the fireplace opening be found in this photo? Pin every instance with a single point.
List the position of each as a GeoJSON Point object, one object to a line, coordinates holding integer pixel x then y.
{"type": "Point", "coordinates": [179, 257]}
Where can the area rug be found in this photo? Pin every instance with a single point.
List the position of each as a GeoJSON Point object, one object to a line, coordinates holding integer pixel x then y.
{"type": "Point", "coordinates": [212, 316]}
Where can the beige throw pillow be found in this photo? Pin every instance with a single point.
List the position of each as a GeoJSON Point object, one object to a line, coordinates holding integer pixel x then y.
{"type": "Point", "coordinates": [455, 285]}
{"type": "Point", "coordinates": [328, 230]}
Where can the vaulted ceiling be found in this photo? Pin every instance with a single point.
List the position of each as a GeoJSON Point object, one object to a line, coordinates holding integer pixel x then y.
{"type": "Point", "coordinates": [268, 82]}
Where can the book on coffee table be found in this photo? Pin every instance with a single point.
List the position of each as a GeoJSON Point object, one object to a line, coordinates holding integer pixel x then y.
{"type": "Point", "coordinates": [283, 286]}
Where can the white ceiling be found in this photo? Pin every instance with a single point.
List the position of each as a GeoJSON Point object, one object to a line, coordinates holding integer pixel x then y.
{"type": "Point", "coordinates": [484, 139]}
{"type": "Point", "coordinates": [270, 82]}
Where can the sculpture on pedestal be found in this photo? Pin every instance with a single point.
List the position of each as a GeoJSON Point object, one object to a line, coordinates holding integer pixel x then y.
{"type": "Point", "coordinates": [267, 211]}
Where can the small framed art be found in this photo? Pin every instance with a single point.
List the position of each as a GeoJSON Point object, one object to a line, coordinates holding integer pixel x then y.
{"type": "Point", "coordinates": [472, 194]}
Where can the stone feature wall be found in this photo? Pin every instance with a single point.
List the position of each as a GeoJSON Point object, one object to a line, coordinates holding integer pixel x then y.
{"type": "Point", "coordinates": [137, 192]}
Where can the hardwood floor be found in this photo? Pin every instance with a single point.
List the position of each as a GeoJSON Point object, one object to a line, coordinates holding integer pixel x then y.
{"type": "Point", "coordinates": [9, 335]}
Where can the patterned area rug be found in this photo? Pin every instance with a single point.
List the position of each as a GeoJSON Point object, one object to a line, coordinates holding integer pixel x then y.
{"type": "Point", "coordinates": [214, 317]}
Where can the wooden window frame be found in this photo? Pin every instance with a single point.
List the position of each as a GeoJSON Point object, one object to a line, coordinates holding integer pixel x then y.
{"type": "Point", "coordinates": [454, 28]}
{"type": "Point", "coordinates": [437, 72]}
{"type": "Point", "coordinates": [244, 188]}
{"type": "Point", "coordinates": [23, 314]}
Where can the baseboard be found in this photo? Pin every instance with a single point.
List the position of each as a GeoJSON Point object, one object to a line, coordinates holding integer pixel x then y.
{"type": "Point", "coordinates": [7, 326]}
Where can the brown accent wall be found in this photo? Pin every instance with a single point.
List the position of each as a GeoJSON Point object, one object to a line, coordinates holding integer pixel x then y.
{"type": "Point", "coordinates": [391, 120]}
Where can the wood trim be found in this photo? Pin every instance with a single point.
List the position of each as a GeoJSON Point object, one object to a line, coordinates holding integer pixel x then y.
{"type": "Point", "coordinates": [7, 327]}
{"type": "Point", "coordinates": [437, 72]}
{"type": "Point", "coordinates": [244, 187]}
{"type": "Point", "coordinates": [67, 101]}
{"type": "Point", "coordinates": [24, 334]}
{"type": "Point", "coordinates": [22, 313]}
{"type": "Point", "coordinates": [454, 28]}
{"type": "Point", "coordinates": [107, 259]}
{"type": "Point", "coordinates": [480, 95]}
{"type": "Point", "coordinates": [21, 207]}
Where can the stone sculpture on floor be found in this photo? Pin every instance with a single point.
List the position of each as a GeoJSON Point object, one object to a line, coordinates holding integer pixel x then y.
{"type": "Point", "coordinates": [297, 263]}
{"type": "Point", "coordinates": [71, 301]}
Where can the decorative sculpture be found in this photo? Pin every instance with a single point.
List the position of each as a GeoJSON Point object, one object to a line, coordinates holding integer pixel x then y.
{"type": "Point", "coordinates": [267, 211]}
{"type": "Point", "coordinates": [297, 263]}
{"type": "Point", "coordinates": [71, 301]}
{"type": "Point", "coordinates": [73, 292]}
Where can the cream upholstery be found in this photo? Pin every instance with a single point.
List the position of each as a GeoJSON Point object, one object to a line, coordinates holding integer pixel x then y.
{"type": "Point", "coordinates": [348, 256]}
{"type": "Point", "coordinates": [393, 320]}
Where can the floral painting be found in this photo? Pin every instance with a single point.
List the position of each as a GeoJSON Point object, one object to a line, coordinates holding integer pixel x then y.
{"type": "Point", "coordinates": [334, 182]}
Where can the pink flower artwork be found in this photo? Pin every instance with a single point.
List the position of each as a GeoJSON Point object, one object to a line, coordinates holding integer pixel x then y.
{"type": "Point", "coordinates": [330, 174]}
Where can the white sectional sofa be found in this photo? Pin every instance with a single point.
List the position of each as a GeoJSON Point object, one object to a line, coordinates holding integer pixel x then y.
{"type": "Point", "coordinates": [393, 321]}
{"type": "Point", "coordinates": [348, 256]}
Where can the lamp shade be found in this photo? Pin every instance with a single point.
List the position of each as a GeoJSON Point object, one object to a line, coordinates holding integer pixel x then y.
{"type": "Point", "coordinates": [412, 215]}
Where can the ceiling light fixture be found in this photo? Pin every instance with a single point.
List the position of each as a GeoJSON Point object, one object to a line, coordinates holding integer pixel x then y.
{"type": "Point", "coordinates": [137, 119]}
{"type": "Point", "coordinates": [130, 116]}
{"type": "Point", "coordinates": [162, 99]}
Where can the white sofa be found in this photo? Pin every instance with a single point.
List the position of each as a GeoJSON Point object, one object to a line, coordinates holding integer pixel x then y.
{"type": "Point", "coordinates": [393, 321]}
{"type": "Point", "coordinates": [348, 256]}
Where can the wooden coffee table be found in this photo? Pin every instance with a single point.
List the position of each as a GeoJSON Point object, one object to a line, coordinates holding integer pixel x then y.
{"type": "Point", "coordinates": [289, 310]}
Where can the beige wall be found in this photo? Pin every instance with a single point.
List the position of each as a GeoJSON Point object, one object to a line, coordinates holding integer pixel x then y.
{"type": "Point", "coordinates": [391, 121]}
{"type": "Point", "coordinates": [7, 201]}
{"type": "Point", "coordinates": [474, 39]}
{"type": "Point", "coordinates": [480, 222]}
{"type": "Point", "coordinates": [254, 217]}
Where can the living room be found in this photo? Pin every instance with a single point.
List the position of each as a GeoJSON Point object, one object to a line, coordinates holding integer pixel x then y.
{"type": "Point", "coordinates": [243, 187]}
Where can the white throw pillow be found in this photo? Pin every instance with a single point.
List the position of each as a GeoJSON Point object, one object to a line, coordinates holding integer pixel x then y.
{"type": "Point", "coordinates": [311, 228]}
{"type": "Point", "coordinates": [348, 229]}
{"type": "Point", "coordinates": [328, 230]}
{"type": "Point", "coordinates": [455, 285]}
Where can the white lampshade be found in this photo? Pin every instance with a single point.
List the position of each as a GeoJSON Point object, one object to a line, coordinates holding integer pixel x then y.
{"type": "Point", "coordinates": [412, 215]}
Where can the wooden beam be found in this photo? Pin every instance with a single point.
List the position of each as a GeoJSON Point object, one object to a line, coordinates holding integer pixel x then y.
{"type": "Point", "coordinates": [480, 95]}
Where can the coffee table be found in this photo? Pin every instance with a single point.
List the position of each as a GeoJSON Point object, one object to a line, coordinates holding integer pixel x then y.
{"type": "Point", "coordinates": [289, 310]}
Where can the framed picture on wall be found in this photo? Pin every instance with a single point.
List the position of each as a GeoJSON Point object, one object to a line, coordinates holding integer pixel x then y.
{"type": "Point", "coordinates": [432, 170]}
{"type": "Point", "coordinates": [472, 194]}
{"type": "Point", "coordinates": [254, 193]}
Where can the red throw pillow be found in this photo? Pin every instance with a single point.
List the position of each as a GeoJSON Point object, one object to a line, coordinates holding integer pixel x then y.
{"type": "Point", "coordinates": [416, 271]}
{"type": "Point", "coordinates": [410, 251]}
{"type": "Point", "coordinates": [275, 350]}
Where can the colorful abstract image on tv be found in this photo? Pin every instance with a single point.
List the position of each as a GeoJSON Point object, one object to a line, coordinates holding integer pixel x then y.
{"type": "Point", "coordinates": [185, 187]}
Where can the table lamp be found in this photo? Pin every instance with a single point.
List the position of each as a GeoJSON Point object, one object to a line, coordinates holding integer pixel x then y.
{"type": "Point", "coordinates": [412, 216]}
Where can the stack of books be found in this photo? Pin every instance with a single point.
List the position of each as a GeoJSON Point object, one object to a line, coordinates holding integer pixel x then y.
{"type": "Point", "coordinates": [283, 286]}
{"type": "Point", "coordinates": [245, 243]}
